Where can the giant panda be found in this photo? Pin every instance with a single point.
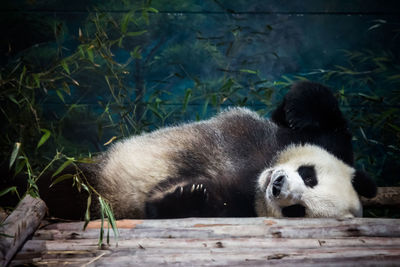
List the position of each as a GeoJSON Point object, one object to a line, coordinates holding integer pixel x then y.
{"type": "Point", "coordinates": [299, 163]}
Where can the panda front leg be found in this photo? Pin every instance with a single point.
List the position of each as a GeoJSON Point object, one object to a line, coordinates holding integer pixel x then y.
{"type": "Point", "coordinates": [180, 201]}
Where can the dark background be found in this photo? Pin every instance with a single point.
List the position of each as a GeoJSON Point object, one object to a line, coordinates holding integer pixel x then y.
{"type": "Point", "coordinates": [76, 74]}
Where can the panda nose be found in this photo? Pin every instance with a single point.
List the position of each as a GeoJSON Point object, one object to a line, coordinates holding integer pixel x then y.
{"type": "Point", "coordinates": [277, 186]}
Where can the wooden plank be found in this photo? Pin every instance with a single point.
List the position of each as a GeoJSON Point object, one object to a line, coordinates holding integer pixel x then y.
{"type": "Point", "coordinates": [239, 227]}
{"type": "Point", "coordinates": [219, 254]}
{"type": "Point", "coordinates": [21, 223]}
{"type": "Point", "coordinates": [386, 196]}
{"type": "Point", "coordinates": [219, 241]}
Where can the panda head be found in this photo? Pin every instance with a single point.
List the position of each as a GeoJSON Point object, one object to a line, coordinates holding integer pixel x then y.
{"type": "Point", "coordinates": [308, 181]}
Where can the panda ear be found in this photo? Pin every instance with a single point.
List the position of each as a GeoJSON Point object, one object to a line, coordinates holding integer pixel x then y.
{"type": "Point", "coordinates": [309, 105]}
{"type": "Point", "coordinates": [364, 185]}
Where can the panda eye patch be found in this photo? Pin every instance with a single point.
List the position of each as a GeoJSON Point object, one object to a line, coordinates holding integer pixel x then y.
{"type": "Point", "coordinates": [307, 173]}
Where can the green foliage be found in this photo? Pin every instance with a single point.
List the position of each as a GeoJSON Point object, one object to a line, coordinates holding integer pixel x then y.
{"type": "Point", "coordinates": [369, 95]}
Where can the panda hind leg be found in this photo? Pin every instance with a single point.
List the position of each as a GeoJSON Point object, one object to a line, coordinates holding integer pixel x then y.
{"type": "Point", "coordinates": [180, 201]}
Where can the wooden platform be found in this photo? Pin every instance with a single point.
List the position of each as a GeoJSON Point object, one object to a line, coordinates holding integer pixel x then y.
{"type": "Point", "coordinates": [219, 241]}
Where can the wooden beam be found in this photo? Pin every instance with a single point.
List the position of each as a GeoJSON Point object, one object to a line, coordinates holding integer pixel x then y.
{"type": "Point", "coordinates": [21, 223]}
{"type": "Point", "coordinates": [220, 241]}
{"type": "Point", "coordinates": [387, 196]}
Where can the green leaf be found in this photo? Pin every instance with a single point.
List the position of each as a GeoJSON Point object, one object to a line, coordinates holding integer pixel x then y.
{"type": "Point", "coordinates": [155, 111]}
{"type": "Point", "coordinates": [108, 81]}
{"type": "Point", "coordinates": [133, 34]}
{"type": "Point", "coordinates": [394, 77]}
{"type": "Point", "coordinates": [66, 88]}
{"type": "Point", "coordinates": [90, 54]}
{"type": "Point", "coordinates": [12, 98]}
{"type": "Point", "coordinates": [249, 71]}
{"type": "Point", "coordinates": [373, 98]}
{"type": "Point", "coordinates": [205, 107]}
{"type": "Point", "coordinates": [11, 189]}
{"type": "Point", "coordinates": [374, 26]}
{"type": "Point", "coordinates": [44, 138]}
{"type": "Point", "coordinates": [125, 21]}
{"type": "Point", "coordinates": [20, 165]}
{"type": "Point", "coordinates": [14, 153]}
{"type": "Point", "coordinates": [136, 53]}
{"type": "Point", "coordinates": [62, 178]}
{"type": "Point", "coordinates": [227, 86]}
{"type": "Point", "coordinates": [102, 221]}
{"type": "Point", "coordinates": [21, 77]}
{"type": "Point", "coordinates": [36, 79]}
{"type": "Point", "coordinates": [151, 9]}
{"type": "Point", "coordinates": [65, 66]}
{"type": "Point", "coordinates": [60, 95]}
{"type": "Point", "coordinates": [214, 100]}
{"type": "Point", "coordinates": [395, 127]}
{"type": "Point", "coordinates": [186, 99]}
{"type": "Point", "coordinates": [87, 213]}
{"type": "Point", "coordinates": [62, 167]}
{"type": "Point", "coordinates": [86, 160]}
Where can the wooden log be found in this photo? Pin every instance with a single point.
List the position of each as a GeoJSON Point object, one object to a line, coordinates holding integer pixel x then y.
{"type": "Point", "coordinates": [239, 227]}
{"type": "Point", "coordinates": [386, 196]}
{"type": "Point", "coordinates": [219, 241]}
{"type": "Point", "coordinates": [234, 251]}
{"type": "Point", "coordinates": [21, 223]}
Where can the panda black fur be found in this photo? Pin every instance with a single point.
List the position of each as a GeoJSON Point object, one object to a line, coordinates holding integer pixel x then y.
{"type": "Point", "coordinates": [234, 164]}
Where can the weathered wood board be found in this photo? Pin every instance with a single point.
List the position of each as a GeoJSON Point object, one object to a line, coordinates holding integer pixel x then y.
{"type": "Point", "coordinates": [17, 227]}
{"type": "Point", "coordinates": [219, 241]}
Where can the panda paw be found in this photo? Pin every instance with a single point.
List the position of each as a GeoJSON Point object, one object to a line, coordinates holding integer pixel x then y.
{"type": "Point", "coordinates": [185, 201]}
{"type": "Point", "coordinates": [195, 193]}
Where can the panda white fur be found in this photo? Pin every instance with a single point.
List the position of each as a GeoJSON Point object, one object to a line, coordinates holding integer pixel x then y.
{"type": "Point", "coordinates": [237, 163]}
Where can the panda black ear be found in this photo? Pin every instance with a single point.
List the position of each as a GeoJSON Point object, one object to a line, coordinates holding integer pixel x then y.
{"type": "Point", "coordinates": [364, 185]}
{"type": "Point", "coordinates": [309, 105]}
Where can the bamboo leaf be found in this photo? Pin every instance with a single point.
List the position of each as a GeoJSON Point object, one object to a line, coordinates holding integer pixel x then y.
{"type": "Point", "coordinates": [12, 98]}
{"type": "Point", "coordinates": [60, 95]}
{"type": "Point", "coordinates": [371, 98]}
{"type": "Point", "coordinates": [151, 9]}
{"type": "Point", "coordinates": [36, 79]}
{"type": "Point", "coordinates": [102, 221]}
{"type": "Point", "coordinates": [395, 127]}
{"type": "Point", "coordinates": [14, 153]}
{"type": "Point", "coordinates": [205, 107]}
{"type": "Point", "coordinates": [394, 77]}
{"type": "Point", "coordinates": [90, 54]}
{"type": "Point", "coordinates": [44, 138]}
{"type": "Point", "coordinates": [62, 167]}
{"type": "Point", "coordinates": [87, 213]}
{"type": "Point", "coordinates": [66, 88]}
{"type": "Point", "coordinates": [21, 77]}
{"type": "Point", "coordinates": [136, 53]}
{"type": "Point", "coordinates": [61, 178]}
{"type": "Point", "coordinates": [249, 71]}
{"type": "Point", "coordinates": [125, 21]}
{"type": "Point", "coordinates": [86, 160]}
{"type": "Point", "coordinates": [155, 111]}
{"type": "Point", "coordinates": [186, 99]}
{"type": "Point", "coordinates": [11, 189]}
{"type": "Point", "coordinates": [20, 165]}
{"type": "Point", "coordinates": [133, 34]}
{"type": "Point", "coordinates": [65, 66]}
{"type": "Point", "coordinates": [374, 26]}
{"type": "Point", "coordinates": [110, 141]}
